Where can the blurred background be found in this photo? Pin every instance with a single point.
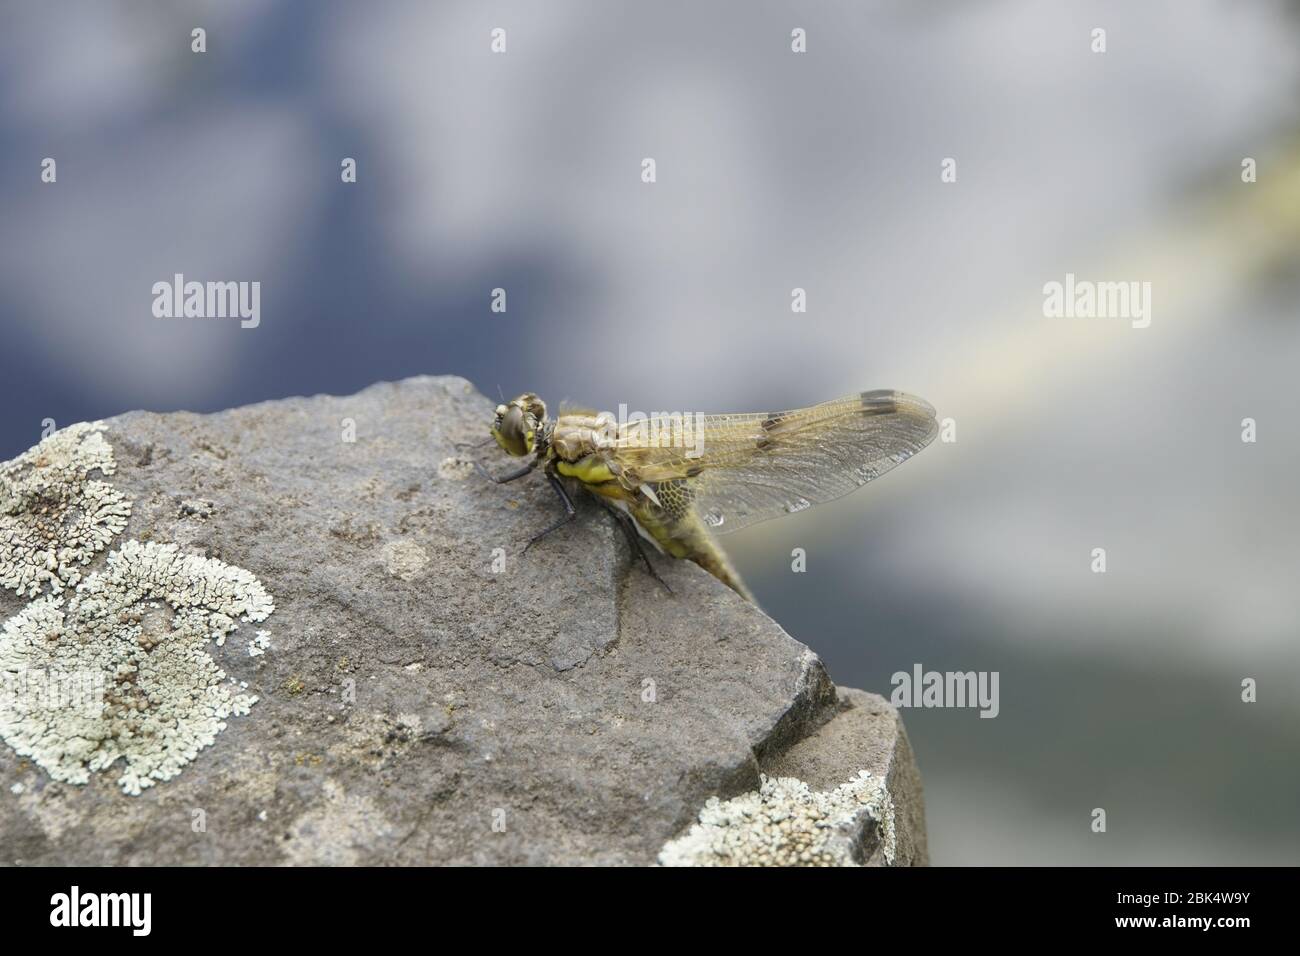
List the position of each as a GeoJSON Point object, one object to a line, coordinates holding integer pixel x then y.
{"type": "Point", "coordinates": [775, 170]}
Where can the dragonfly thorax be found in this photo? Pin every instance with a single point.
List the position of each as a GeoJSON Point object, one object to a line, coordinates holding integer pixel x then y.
{"type": "Point", "coordinates": [575, 436]}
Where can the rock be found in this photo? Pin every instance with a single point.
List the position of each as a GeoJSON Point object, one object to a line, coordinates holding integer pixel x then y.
{"type": "Point", "coordinates": [866, 735]}
{"type": "Point", "coordinates": [323, 645]}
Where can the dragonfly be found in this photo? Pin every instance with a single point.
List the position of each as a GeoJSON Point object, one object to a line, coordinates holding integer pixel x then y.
{"type": "Point", "coordinates": [677, 481]}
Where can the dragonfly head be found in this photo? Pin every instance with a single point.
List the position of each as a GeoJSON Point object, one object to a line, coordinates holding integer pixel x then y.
{"type": "Point", "coordinates": [519, 424]}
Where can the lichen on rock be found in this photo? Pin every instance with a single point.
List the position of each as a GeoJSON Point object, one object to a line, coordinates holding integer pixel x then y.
{"type": "Point", "coordinates": [405, 559]}
{"type": "Point", "coordinates": [119, 668]}
{"type": "Point", "coordinates": [54, 517]}
{"type": "Point", "coordinates": [787, 823]}
{"type": "Point", "coordinates": [144, 687]}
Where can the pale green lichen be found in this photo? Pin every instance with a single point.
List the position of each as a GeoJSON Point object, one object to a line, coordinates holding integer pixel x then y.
{"type": "Point", "coordinates": [118, 669]}
{"type": "Point", "coordinates": [259, 644]}
{"type": "Point", "coordinates": [161, 699]}
{"type": "Point", "coordinates": [53, 516]}
{"type": "Point", "coordinates": [786, 823]}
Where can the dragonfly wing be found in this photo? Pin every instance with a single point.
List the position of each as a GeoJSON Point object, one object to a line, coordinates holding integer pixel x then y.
{"type": "Point", "coordinates": [753, 467]}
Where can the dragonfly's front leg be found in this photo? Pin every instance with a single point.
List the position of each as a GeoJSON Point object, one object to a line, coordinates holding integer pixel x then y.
{"type": "Point", "coordinates": [569, 513]}
{"type": "Point", "coordinates": [509, 476]}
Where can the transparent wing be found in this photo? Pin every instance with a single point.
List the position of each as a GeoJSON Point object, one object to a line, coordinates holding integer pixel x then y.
{"type": "Point", "coordinates": [737, 470]}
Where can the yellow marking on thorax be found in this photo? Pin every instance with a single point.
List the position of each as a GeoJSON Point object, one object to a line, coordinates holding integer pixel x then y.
{"type": "Point", "coordinates": [589, 470]}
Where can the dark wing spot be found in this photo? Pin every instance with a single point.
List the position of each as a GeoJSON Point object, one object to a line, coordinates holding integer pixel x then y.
{"type": "Point", "coordinates": [770, 424]}
{"type": "Point", "coordinates": [879, 402]}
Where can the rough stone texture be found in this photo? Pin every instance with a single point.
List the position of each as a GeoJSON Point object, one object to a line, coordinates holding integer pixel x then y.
{"type": "Point", "coordinates": [417, 706]}
{"type": "Point", "coordinates": [867, 734]}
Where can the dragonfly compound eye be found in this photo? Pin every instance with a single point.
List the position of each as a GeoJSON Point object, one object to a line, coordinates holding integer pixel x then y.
{"type": "Point", "coordinates": [512, 432]}
{"type": "Point", "coordinates": [517, 424]}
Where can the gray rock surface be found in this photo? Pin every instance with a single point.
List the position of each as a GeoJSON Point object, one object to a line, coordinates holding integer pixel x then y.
{"type": "Point", "coordinates": [414, 705]}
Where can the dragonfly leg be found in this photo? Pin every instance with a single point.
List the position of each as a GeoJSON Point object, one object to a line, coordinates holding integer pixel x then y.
{"type": "Point", "coordinates": [569, 513]}
{"type": "Point", "coordinates": [508, 476]}
{"type": "Point", "coordinates": [634, 541]}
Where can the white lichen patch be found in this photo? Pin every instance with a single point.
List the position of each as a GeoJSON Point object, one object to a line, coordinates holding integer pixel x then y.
{"type": "Point", "coordinates": [109, 673]}
{"type": "Point", "coordinates": [405, 559]}
{"type": "Point", "coordinates": [786, 823]}
{"type": "Point", "coordinates": [259, 644]}
{"type": "Point", "coordinates": [455, 468]}
{"type": "Point", "coordinates": [53, 516]}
